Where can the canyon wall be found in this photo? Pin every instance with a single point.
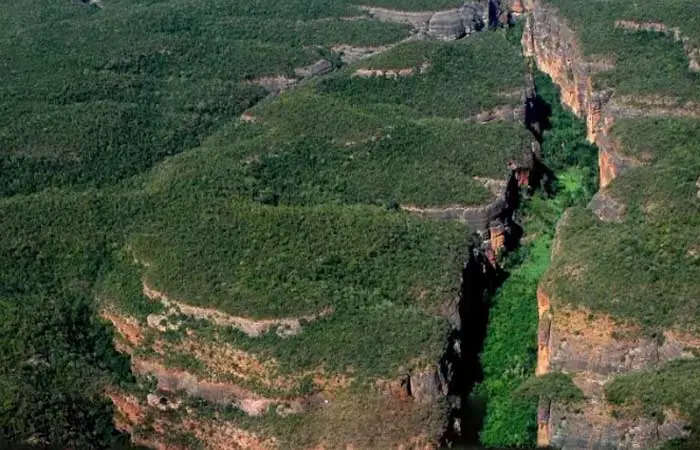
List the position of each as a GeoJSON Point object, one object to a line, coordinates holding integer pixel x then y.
{"type": "Point", "coordinates": [554, 46]}
{"type": "Point", "coordinates": [592, 348]}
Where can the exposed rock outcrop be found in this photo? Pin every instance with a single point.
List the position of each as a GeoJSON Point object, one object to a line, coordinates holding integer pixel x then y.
{"type": "Point", "coordinates": [175, 381]}
{"type": "Point", "coordinates": [392, 73]}
{"type": "Point", "coordinates": [446, 25]}
{"type": "Point", "coordinates": [594, 349]}
{"type": "Point", "coordinates": [351, 53]}
{"type": "Point", "coordinates": [283, 326]}
{"type": "Point", "coordinates": [276, 84]}
{"type": "Point", "coordinates": [477, 217]}
{"type": "Point", "coordinates": [417, 19]}
{"type": "Point", "coordinates": [132, 413]}
{"type": "Point", "coordinates": [457, 23]}
{"type": "Point", "coordinates": [606, 207]}
{"type": "Point", "coordinates": [318, 68]}
{"type": "Point", "coordinates": [506, 113]}
{"type": "Point", "coordinates": [553, 44]}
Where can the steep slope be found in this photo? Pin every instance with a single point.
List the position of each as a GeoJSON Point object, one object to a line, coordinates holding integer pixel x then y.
{"type": "Point", "coordinates": [265, 287]}
{"type": "Point", "coordinates": [620, 295]}
{"type": "Point", "coordinates": [272, 248]}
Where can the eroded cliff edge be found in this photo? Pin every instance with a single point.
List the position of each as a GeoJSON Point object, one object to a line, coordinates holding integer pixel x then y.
{"type": "Point", "coordinates": [593, 347]}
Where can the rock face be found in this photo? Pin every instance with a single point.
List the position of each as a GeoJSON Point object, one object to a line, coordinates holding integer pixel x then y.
{"type": "Point", "coordinates": [318, 68]}
{"type": "Point", "coordinates": [554, 46]}
{"type": "Point", "coordinates": [456, 23]}
{"type": "Point", "coordinates": [607, 208]}
{"type": "Point", "coordinates": [446, 25]}
{"type": "Point", "coordinates": [426, 387]}
{"type": "Point", "coordinates": [594, 348]}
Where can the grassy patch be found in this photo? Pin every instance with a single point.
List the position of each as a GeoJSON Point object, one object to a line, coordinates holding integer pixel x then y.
{"type": "Point", "coordinates": [555, 386]}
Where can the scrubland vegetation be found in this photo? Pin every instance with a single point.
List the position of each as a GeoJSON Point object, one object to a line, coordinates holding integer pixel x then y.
{"type": "Point", "coordinates": [645, 62]}
{"type": "Point", "coordinates": [648, 267]}
{"type": "Point", "coordinates": [464, 78]}
{"type": "Point", "coordinates": [93, 95]}
{"type": "Point", "coordinates": [120, 145]}
{"type": "Point", "coordinates": [55, 355]}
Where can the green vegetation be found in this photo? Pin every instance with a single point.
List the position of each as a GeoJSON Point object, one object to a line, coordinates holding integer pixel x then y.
{"type": "Point", "coordinates": [391, 166]}
{"type": "Point", "coordinates": [316, 147]}
{"type": "Point", "coordinates": [415, 5]}
{"type": "Point", "coordinates": [644, 268]}
{"type": "Point", "coordinates": [649, 267]}
{"type": "Point", "coordinates": [509, 354]}
{"type": "Point", "coordinates": [649, 139]}
{"type": "Point", "coordinates": [673, 386]}
{"type": "Point", "coordinates": [262, 261]}
{"type": "Point", "coordinates": [645, 62]}
{"type": "Point", "coordinates": [55, 355]}
{"type": "Point", "coordinates": [552, 386]}
{"type": "Point", "coordinates": [465, 78]}
{"type": "Point", "coordinates": [94, 95]}
{"type": "Point", "coordinates": [356, 415]}
{"type": "Point", "coordinates": [120, 139]}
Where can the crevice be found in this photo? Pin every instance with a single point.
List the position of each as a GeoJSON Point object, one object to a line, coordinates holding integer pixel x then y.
{"type": "Point", "coordinates": [482, 276]}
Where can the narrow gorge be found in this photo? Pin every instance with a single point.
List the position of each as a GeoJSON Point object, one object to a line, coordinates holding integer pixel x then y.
{"type": "Point", "coordinates": [340, 224]}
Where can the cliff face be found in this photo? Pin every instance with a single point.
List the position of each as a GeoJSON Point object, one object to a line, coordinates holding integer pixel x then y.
{"type": "Point", "coordinates": [177, 374]}
{"type": "Point", "coordinates": [554, 46]}
{"type": "Point", "coordinates": [593, 348]}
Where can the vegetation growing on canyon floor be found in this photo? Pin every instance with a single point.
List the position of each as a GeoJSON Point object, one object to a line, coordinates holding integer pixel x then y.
{"type": "Point", "coordinates": [509, 354]}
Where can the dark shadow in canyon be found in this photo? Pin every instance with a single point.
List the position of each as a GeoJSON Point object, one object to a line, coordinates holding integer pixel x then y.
{"type": "Point", "coordinates": [481, 278]}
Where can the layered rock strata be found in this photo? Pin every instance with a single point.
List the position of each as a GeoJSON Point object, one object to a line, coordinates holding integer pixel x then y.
{"type": "Point", "coordinates": [447, 25]}
{"type": "Point", "coordinates": [592, 347]}
{"type": "Point", "coordinates": [595, 349]}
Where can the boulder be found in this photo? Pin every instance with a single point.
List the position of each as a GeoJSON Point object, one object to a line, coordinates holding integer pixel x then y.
{"type": "Point", "coordinates": [318, 68]}
{"type": "Point", "coordinates": [457, 23]}
{"type": "Point", "coordinates": [606, 207]}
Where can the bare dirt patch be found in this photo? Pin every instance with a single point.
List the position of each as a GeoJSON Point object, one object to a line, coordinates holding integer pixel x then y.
{"type": "Point", "coordinates": [128, 328]}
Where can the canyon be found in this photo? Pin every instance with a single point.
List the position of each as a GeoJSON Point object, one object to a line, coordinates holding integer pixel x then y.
{"type": "Point", "coordinates": [406, 224]}
{"type": "Point", "coordinates": [590, 346]}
